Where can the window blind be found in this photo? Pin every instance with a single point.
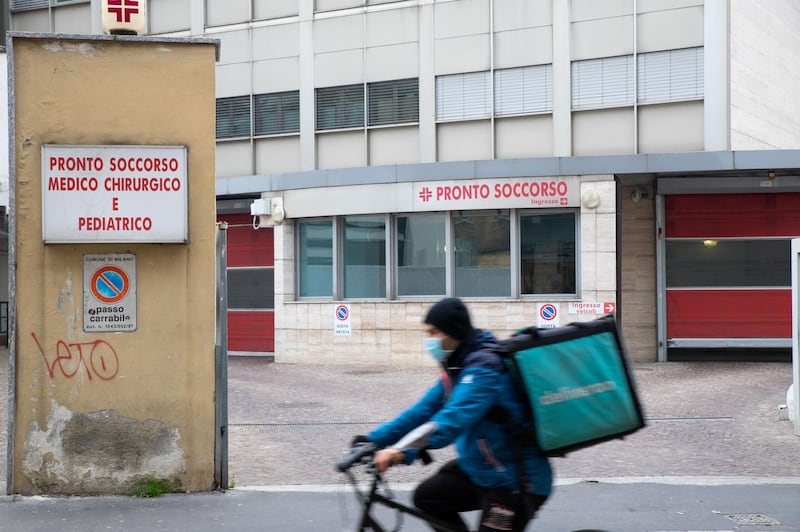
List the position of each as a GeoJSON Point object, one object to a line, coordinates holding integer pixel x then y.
{"type": "Point", "coordinates": [670, 75]}
{"type": "Point", "coordinates": [233, 117]}
{"type": "Point", "coordinates": [523, 90]}
{"type": "Point", "coordinates": [604, 82]}
{"type": "Point", "coordinates": [340, 107]}
{"type": "Point", "coordinates": [393, 102]}
{"type": "Point", "coordinates": [22, 5]}
{"type": "Point", "coordinates": [463, 96]}
{"type": "Point", "coordinates": [276, 113]}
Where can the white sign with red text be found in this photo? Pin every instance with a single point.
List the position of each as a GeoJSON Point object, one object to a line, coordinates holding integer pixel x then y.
{"type": "Point", "coordinates": [593, 307]}
{"type": "Point", "coordinates": [510, 193]}
{"type": "Point", "coordinates": [114, 194]}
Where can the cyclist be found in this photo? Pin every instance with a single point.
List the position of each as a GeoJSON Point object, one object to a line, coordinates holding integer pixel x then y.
{"type": "Point", "coordinates": [475, 405]}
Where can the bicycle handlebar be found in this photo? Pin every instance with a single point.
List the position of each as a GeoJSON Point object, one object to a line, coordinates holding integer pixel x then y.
{"type": "Point", "coordinates": [356, 455]}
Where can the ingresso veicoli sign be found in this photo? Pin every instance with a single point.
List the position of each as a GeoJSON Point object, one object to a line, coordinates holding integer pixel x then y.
{"type": "Point", "coordinates": [114, 194]}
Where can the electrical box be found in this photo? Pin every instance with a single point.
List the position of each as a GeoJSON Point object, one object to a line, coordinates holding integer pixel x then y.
{"type": "Point", "coordinates": [261, 207]}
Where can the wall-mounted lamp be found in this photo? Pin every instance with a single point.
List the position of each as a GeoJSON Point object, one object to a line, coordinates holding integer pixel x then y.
{"type": "Point", "coordinates": [639, 192]}
{"type": "Point", "coordinates": [590, 198]}
{"type": "Point", "coordinates": [710, 243]}
{"type": "Point", "coordinates": [278, 214]}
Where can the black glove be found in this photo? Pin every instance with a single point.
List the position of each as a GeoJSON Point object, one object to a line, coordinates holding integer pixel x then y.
{"type": "Point", "coordinates": [359, 439]}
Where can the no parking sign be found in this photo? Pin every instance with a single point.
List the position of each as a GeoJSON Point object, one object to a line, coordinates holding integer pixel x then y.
{"type": "Point", "coordinates": [547, 316]}
{"type": "Point", "coordinates": [341, 321]}
{"type": "Point", "coordinates": [109, 292]}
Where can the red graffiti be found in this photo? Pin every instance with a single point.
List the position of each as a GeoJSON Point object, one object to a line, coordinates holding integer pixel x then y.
{"type": "Point", "coordinates": [103, 361]}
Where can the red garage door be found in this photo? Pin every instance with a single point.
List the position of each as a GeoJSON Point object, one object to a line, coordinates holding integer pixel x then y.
{"type": "Point", "coordinates": [728, 270]}
{"type": "Point", "coordinates": [251, 285]}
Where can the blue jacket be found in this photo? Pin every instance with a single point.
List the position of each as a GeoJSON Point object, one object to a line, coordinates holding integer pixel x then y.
{"type": "Point", "coordinates": [475, 381]}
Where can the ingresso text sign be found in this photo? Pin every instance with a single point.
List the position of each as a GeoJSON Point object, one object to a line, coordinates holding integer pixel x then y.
{"type": "Point", "coordinates": [114, 194]}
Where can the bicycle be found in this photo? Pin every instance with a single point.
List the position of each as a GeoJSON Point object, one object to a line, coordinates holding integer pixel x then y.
{"type": "Point", "coordinates": [379, 493]}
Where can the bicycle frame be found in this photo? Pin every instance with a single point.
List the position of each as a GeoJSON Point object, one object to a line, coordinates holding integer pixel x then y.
{"type": "Point", "coordinates": [372, 496]}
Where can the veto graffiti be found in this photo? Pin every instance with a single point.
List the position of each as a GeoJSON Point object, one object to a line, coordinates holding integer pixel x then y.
{"type": "Point", "coordinates": [98, 359]}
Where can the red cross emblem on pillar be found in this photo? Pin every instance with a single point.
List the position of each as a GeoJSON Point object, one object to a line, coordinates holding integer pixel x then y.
{"type": "Point", "coordinates": [123, 9]}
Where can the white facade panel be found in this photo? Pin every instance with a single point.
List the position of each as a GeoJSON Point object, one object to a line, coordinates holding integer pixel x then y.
{"type": "Point", "coordinates": [462, 54]}
{"type": "Point", "coordinates": [398, 61]}
{"type": "Point", "coordinates": [277, 155]}
{"type": "Point", "coordinates": [603, 132]}
{"type": "Point", "coordinates": [341, 150]}
{"type": "Point", "coordinates": [530, 46]}
{"type": "Point", "coordinates": [339, 33]}
{"type": "Point", "coordinates": [602, 38]}
{"type": "Point", "coordinates": [394, 145]}
{"type": "Point", "coordinates": [164, 16]}
{"type": "Point", "coordinates": [463, 141]}
{"type": "Point", "coordinates": [465, 17]}
{"type": "Point", "coordinates": [524, 136]}
{"type": "Point", "coordinates": [234, 158]}
{"type": "Point", "coordinates": [273, 42]}
{"type": "Point", "coordinates": [765, 75]}
{"type": "Point", "coordinates": [37, 21]}
{"type": "Point", "coordinates": [339, 68]}
{"type": "Point", "coordinates": [227, 12]}
{"type": "Point", "coordinates": [333, 5]}
{"type": "Point", "coordinates": [395, 26]}
{"type": "Point", "coordinates": [644, 6]}
{"type": "Point", "coordinates": [276, 75]}
{"type": "Point", "coordinates": [670, 29]}
{"type": "Point", "coordinates": [270, 9]}
{"type": "Point", "coordinates": [75, 19]}
{"type": "Point", "coordinates": [582, 10]}
{"type": "Point", "coordinates": [671, 127]}
{"type": "Point", "coordinates": [233, 80]}
{"type": "Point", "coordinates": [522, 14]}
{"type": "Point", "coordinates": [234, 46]}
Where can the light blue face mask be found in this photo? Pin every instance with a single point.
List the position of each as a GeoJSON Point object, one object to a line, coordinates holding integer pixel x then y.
{"type": "Point", "coordinates": [434, 347]}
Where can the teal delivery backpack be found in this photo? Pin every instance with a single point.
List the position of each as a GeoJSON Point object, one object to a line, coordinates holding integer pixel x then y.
{"type": "Point", "coordinates": [577, 382]}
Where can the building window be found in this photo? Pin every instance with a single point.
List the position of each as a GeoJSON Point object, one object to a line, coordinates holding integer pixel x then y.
{"type": "Point", "coordinates": [315, 258]}
{"type": "Point", "coordinates": [24, 5]}
{"type": "Point", "coordinates": [728, 263]}
{"type": "Point", "coordinates": [547, 253]}
{"type": "Point", "coordinates": [393, 102]}
{"type": "Point", "coordinates": [251, 288]}
{"type": "Point", "coordinates": [340, 107]}
{"type": "Point", "coordinates": [463, 96]}
{"type": "Point", "coordinates": [276, 113]}
{"type": "Point", "coordinates": [364, 256]}
{"type": "Point", "coordinates": [233, 117]}
{"type": "Point", "coordinates": [498, 253]}
{"type": "Point", "coordinates": [605, 82]}
{"type": "Point", "coordinates": [670, 75]}
{"type": "Point", "coordinates": [523, 90]}
{"type": "Point", "coordinates": [482, 243]}
{"type": "Point", "coordinates": [421, 260]}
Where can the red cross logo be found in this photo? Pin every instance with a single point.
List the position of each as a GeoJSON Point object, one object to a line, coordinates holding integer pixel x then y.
{"type": "Point", "coordinates": [425, 194]}
{"type": "Point", "coordinates": [124, 9]}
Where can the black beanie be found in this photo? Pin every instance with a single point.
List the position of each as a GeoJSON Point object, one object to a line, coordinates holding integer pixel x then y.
{"type": "Point", "coordinates": [451, 317]}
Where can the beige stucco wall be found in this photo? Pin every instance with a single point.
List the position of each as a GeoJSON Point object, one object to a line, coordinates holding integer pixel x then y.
{"type": "Point", "coordinates": [79, 430]}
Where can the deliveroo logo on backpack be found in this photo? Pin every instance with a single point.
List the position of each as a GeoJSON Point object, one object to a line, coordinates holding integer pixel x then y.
{"type": "Point", "coordinates": [568, 394]}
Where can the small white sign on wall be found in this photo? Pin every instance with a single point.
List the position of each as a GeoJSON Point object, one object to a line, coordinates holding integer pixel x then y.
{"type": "Point", "coordinates": [109, 292]}
{"type": "Point", "coordinates": [547, 316]}
{"type": "Point", "coordinates": [341, 321]}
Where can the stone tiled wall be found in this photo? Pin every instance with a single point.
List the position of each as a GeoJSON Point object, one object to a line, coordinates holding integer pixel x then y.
{"type": "Point", "coordinates": [638, 306]}
{"type": "Point", "coordinates": [391, 332]}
